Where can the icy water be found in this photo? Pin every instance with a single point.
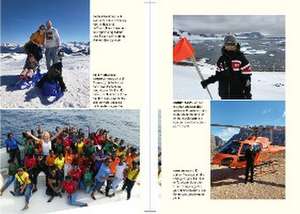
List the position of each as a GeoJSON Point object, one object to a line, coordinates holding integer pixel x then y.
{"type": "Point", "coordinates": [120, 123]}
{"type": "Point", "coordinates": [273, 60]}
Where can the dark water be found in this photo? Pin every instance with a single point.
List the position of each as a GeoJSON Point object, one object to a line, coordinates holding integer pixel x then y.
{"type": "Point", "coordinates": [211, 49]}
{"type": "Point", "coordinates": [120, 123]}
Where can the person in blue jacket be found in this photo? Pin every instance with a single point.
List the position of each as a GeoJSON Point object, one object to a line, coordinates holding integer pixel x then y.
{"type": "Point", "coordinates": [12, 147]}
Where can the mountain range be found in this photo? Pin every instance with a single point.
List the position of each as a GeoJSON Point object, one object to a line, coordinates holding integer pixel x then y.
{"type": "Point", "coordinates": [276, 134]}
{"type": "Point", "coordinates": [73, 48]}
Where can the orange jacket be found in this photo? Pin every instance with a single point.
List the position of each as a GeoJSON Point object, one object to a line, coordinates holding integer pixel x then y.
{"type": "Point", "coordinates": [69, 158]}
{"type": "Point", "coordinates": [37, 38]}
{"type": "Point", "coordinates": [50, 160]}
{"type": "Point", "coordinates": [113, 165]}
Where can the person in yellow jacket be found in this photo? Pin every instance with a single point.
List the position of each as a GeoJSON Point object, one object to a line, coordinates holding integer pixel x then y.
{"type": "Point", "coordinates": [23, 186]}
{"type": "Point", "coordinates": [59, 164]}
{"type": "Point", "coordinates": [33, 49]}
{"type": "Point", "coordinates": [131, 174]}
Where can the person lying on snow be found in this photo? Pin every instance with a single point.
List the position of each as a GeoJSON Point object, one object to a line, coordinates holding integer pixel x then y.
{"type": "Point", "coordinates": [54, 74]}
{"type": "Point", "coordinates": [233, 72]}
{"type": "Point", "coordinates": [34, 52]}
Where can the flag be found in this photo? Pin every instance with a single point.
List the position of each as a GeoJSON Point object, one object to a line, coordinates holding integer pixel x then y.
{"type": "Point", "coordinates": [182, 50]}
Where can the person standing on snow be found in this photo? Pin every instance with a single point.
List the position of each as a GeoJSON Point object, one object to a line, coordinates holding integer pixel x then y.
{"type": "Point", "coordinates": [233, 72]}
{"type": "Point", "coordinates": [52, 45]}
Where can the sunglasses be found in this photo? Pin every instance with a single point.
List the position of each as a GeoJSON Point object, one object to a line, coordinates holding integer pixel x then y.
{"type": "Point", "coordinates": [230, 44]}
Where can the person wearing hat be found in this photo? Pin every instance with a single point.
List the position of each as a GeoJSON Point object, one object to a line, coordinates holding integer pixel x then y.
{"type": "Point", "coordinates": [233, 72]}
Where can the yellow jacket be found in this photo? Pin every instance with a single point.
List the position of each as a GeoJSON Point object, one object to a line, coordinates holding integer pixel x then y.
{"type": "Point", "coordinates": [132, 173]}
{"type": "Point", "coordinates": [23, 179]}
{"type": "Point", "coordinates": [59, 163]}
{"type": "Point", "coordinates": [37, 38]}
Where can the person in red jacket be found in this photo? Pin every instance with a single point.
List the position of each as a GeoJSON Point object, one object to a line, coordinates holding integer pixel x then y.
{"type": "Point", "coordinates": [70, 186]}
{"type": "Point", "coordinates": [75, 173]}
{"type": "Point", "coordinates": [233, 72]}
{"type": "Point", "coordinates": [30, 163]}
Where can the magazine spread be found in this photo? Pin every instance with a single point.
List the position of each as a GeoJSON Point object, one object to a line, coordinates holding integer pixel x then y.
{"type": "Point", "coordinates": [149, 106]}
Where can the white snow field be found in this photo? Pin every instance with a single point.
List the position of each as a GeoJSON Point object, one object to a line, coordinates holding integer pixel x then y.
{"type": "Point", "coordinates": [75, 75]}
{"type": "Point", "coordinates": [186, 83]}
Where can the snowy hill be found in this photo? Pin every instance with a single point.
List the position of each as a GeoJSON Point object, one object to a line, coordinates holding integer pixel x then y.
{"type": "Point", "coordinates": [68, 48]}
{"type": "Point", "coordinates": [186, 83]}
{"type": "Point", "coordinates": [75, 74]}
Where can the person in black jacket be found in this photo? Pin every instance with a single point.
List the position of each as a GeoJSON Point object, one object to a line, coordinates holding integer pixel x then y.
{"type": "Point", "coordinates": [54, 74]}
{"type": "Point", "coordinates": [250, 157]}
{"type": "Point", "coordinates": [233, 72]}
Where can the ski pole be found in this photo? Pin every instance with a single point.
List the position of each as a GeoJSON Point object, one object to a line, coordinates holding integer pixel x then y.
{"type": "Point", "coordinates": [200, 74]}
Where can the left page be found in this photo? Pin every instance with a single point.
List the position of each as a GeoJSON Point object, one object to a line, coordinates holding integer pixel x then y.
{"type": "Point", "coordinates": [73, 106]}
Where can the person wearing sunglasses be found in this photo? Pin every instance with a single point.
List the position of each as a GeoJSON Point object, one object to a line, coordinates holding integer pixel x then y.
{"type": "Point", "coordinates": [233, 72]}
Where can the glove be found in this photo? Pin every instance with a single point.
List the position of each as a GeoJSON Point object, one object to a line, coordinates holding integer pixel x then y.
{"type": "Point", "coordinates": [204, 83]}
{"type": "Point", "coordinates": [247, 90]}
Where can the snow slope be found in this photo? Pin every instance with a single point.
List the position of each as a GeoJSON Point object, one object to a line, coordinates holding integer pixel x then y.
{"type": "Point", "coordinates": [186, 83]}
{"type": "Point", "coordinates": [75, 74]}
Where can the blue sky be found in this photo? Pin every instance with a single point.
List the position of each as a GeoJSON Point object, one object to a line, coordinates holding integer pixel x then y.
{"type": "Point", "coordinates": [246, 113]}
{"type": "Point", "coordinates": [20, 18]}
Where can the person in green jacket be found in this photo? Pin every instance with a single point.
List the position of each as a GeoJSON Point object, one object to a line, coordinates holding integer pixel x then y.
{"type": "Point", "coordinates": [89, 149]}
{"type": "Point", "coordinates": [87, 180]}
{"type": "Point", "coordinates": [29, 147]}
{"type": "Point", "coordinates": [12, 170]}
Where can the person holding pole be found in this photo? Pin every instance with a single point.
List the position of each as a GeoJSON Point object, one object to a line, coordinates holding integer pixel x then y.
{"type": "Point", "coordinates": [233, 72]}
{"type": "Point", "coordinates": [183, 50]}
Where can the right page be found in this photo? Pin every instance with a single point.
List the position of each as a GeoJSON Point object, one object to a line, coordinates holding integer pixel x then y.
{"type": "Point", "coordinates": [228, 70]}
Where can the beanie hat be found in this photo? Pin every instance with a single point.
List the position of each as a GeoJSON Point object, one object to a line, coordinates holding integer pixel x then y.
{"type": "Point", "coordinates": [230, 39]}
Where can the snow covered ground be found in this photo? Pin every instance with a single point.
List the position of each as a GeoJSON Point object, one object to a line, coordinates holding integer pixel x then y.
{"type": "Point", "coordinates": [186, 83]}
{"type": "Point", "coordinates": [75, 74]}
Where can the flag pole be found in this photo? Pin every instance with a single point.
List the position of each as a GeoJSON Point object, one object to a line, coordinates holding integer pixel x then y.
{"type": "Point", "coordinates": [200, 74]}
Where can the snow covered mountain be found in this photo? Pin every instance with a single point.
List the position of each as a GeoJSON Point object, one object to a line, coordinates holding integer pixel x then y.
{"type": "Point", "coordinates": [194, 38]}
{"type": "Point", "coordinates": [11, 48]}
{"type": "Point", "coordinates": [74, 48]}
